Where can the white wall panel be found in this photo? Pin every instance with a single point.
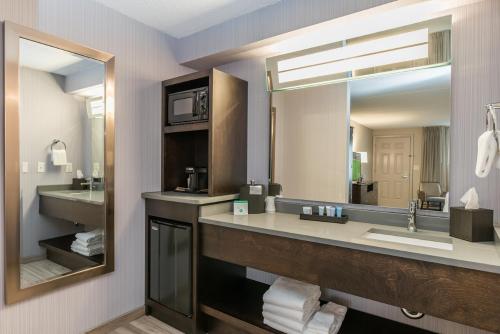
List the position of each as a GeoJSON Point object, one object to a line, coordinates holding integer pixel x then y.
{"type": "Point", "coordinates": [254, 72]}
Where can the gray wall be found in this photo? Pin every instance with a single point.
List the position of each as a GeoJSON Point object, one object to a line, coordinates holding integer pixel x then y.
{"type": "Point", "coordinates": [267, 22]}
{"type": "Point", "coordinates": [143, 58]}
{"type": "Point", "coordinates": [46, 113]}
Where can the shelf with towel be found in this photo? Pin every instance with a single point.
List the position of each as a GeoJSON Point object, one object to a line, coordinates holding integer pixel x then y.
{"type": "Point", "coordinates": [230, 299]}
{"type": "Point", "coordinates": [59, 251]}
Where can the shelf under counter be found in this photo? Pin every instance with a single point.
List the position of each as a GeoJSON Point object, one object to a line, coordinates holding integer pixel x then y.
{"type": "Point", "coordinates": [238, 303]}
{"type": "Point", "coordinates": [59, 251]}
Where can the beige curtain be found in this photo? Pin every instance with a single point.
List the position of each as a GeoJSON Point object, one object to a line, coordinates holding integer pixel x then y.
{"type": "Point", "coordinates": [436, 156]}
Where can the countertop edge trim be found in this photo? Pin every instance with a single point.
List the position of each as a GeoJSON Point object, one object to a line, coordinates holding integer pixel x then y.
{"type": "Point", "coordinates": [366, 248]}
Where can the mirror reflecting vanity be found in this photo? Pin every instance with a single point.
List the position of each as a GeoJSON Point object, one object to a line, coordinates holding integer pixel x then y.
{"type": "Point", "coordinates": [365, 121]}
{"type": "Point", "coordinates": [59, 143]}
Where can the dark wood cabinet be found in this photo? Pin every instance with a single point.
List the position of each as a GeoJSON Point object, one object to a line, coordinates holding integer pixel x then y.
{"type": "Point", "coordinates": [365, 193]}
{"type": "Point", "coordinates": [220, 143]}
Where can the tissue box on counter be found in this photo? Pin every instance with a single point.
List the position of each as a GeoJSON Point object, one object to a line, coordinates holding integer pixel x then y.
{"type": "Point", "coordinates": [472, 225]}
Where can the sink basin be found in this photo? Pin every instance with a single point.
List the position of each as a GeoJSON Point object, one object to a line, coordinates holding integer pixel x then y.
{"type": "Point", "coordinates": [410, 238]}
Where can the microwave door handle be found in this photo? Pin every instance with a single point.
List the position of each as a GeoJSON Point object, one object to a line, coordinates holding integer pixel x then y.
{"type": "Point", "coordinates": [195, 105]}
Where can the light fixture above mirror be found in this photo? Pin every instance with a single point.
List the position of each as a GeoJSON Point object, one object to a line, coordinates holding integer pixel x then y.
{"type": "Point", "coordinates": [425, 44]}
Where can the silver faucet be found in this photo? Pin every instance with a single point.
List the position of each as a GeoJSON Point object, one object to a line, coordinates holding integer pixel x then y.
{"type": "Point", "coordinates": [412, 215]}
{"type": "Point", "coordinates": [90, 183]}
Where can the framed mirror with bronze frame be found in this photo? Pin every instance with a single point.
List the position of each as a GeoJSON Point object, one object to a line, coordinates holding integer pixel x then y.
{"type": "Point", "coordinates": [58, 205]}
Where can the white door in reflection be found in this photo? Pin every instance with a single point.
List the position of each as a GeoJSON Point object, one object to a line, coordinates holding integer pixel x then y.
{"type": "Point", "coordinates": [392, 170]}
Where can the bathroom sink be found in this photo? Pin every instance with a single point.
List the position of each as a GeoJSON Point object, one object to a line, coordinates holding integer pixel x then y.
{"type": "Point", "coordinates": [410, 238]}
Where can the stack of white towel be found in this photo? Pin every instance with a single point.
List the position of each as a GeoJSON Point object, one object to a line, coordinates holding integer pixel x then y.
{"type": "Point", "coordinates": [89, 243]}
{"type": "Point", "coordinates": [289, 304]}
{"type": "Point", "coordinates": [327, 320]}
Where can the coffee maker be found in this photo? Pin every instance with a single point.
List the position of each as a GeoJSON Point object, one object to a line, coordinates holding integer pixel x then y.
{"type": "Point", "coordinates": [196, 179]}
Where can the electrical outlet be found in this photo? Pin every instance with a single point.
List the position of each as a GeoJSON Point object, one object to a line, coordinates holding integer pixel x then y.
{"type": "Point", "coordinates": [41, 167]}
{"type": "Point", "coordinates": [69, 167]}
{"type": "Point", "coordinates": [25, 167]}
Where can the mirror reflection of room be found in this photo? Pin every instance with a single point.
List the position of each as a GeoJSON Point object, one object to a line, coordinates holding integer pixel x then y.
{"type": "Point", "coordinates": [62, 162]}
{"type": "Point", "coordinates": [399, 139]}
{"type": "Point", "coordinates": [381, 140]}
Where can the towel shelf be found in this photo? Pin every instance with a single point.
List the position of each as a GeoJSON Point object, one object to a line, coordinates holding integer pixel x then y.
{"type": "Point", "coordinates": [59, 251]}
{"type": "Point", "coordinates": [234, 301]}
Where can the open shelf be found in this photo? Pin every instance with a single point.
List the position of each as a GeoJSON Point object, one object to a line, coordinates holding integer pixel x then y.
{"type": "Point", "coordinates": [188, 127]}
{"type": "Point", "coordinates": [239, 304]}
{"type": "Point", "coordinates": [59, 251]}
{"type": "Point", "coordinates": [237, 301]}
{"type": "Point", "coordinates": [183, 149]}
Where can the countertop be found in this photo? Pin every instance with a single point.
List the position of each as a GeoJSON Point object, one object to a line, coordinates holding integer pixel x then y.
{"type": "Point", "coordinates": [87, 196]}
{"type": "Point", "coordinates": [196, 199]}
{"type": "Point", "coordinates": [484, 256]}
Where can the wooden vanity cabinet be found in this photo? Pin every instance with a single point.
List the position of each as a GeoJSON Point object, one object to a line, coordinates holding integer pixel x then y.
{"type": "Point", "coordinates": [466, 296]}
{"type": "Point", "coordinates": [220, 143]}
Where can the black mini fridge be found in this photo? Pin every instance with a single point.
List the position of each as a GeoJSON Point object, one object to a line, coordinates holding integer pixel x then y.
{"type": "Point", "coordinates": [170, 277]}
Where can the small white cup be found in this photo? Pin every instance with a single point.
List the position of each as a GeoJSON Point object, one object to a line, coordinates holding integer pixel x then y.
{"type": "Point", "coordinates": [321, 210]}
{"type": "Point", "coordinates": [307, 210]}
{"type": "Point", "coordinates": [329, 212]}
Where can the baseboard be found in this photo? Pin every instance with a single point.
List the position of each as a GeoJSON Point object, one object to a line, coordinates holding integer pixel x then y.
{"type": "Point", "coordinates": [118, 322]}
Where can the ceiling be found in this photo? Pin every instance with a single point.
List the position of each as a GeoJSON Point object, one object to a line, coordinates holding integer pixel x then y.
{"type": "Point", "coordinates": [181, 18]}
{"type": "Point", "coordinates": [403, 100]}
{"type": "Point", "coordinates": [49, 59]}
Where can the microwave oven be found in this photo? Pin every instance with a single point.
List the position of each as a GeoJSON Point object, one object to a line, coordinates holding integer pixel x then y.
{"type": "Point", "coordinates": [188, 106]}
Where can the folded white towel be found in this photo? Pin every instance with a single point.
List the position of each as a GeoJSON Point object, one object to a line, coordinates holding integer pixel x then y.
{"type": "Point", "coordinates": [59, 157]}
{"type": "Point", "coordinates": [291, 313]}
{"type": "Point", "coordinates": [94, 242]}
{"type": "Point", "coordinates": [87, 251]}
{"type": "Point", "coordinates": [286, 322]}
{"type": "Point", "coordinates": [292, 294]}
{"type": "Point", "coordinates": [280, 327]}
{"type": "Point", "coordinates": [90, 236]}
{"type": "Point", "coordinates": [327, 320]}
{"type": "Point", "coordinates": [76, 244]}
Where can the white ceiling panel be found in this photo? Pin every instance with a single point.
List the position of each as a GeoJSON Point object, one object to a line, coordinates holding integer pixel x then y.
{"type": "Point", "coordinates": [180, 18]}
{"type": "Point", "coordinates": [49, 59]}
{"type": "Point", "coordinates": [403, 100]}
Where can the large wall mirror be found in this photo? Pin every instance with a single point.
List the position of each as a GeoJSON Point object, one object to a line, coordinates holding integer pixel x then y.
{"type": "Point", "coordinates": [377, 134]}
{"type": "Point", "coordinates": [59, 143]}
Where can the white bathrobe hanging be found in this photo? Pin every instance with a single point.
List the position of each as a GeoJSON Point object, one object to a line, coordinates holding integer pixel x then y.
{"type": "Point", "coordinates": [488, 146]}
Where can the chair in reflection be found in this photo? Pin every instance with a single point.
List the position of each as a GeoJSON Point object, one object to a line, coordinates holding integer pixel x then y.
{"type": "Point", "coordinates": [430, 196]}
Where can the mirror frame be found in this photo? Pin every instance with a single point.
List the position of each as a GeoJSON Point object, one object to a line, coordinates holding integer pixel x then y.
{"type": "Point", "coordinates": [12, 35]}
